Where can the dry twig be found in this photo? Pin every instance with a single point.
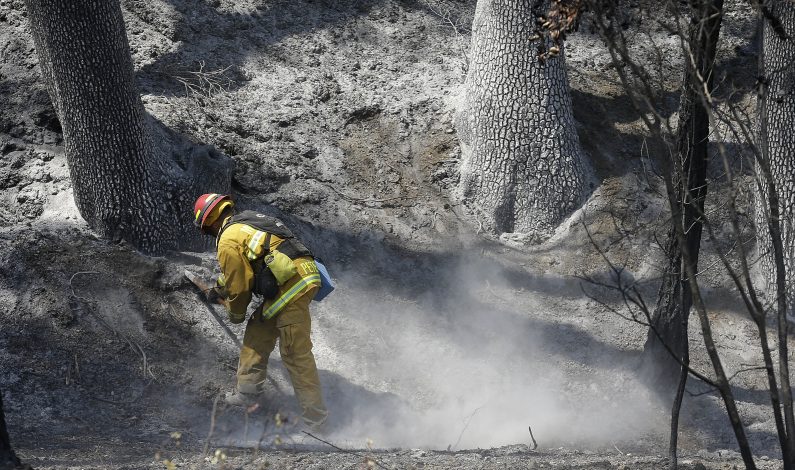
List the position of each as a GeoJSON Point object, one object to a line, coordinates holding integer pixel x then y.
{"type": "Point", "coordinates": [204, 83]}
{"type": "Point", "coordinates": [347, 451]}
{"type": "Point", "coordinates": [212, 425]}
{"type": "Point", "coordinates": [71, 287]}
{"type": "Point", "coordinates": [466, 425]}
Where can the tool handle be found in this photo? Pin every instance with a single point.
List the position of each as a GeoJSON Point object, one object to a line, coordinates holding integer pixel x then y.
{"type": "Point", "coordinates": [202, 286]}
{"type": "Point", "coordinates": [231, 334]}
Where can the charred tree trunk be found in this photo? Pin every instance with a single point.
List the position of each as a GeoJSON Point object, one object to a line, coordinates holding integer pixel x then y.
{"type": "Point", "coordinates": [522, 168]}
{"type": "Point", "coordinates": [687, 188]}
{"type": "Point", "coordinates": [668, 333]}
{"type": "Point", "coordinates": [688, 175]}
{"type": "Point", "coordinates": [8, 459]}
{"type": "Point", "coordinates": [127, 184]}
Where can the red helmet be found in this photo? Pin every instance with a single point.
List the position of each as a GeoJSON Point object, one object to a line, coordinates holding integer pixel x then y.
{"type": "Point", "coordinates": [204, 207]}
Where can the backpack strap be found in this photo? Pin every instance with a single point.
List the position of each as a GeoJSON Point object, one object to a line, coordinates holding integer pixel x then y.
{"type": "Point", "coordinates": [229, 221]}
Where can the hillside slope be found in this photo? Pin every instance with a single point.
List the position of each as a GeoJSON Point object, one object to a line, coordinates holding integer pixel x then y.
{"type": "Point", "coordinates": [339, 116]}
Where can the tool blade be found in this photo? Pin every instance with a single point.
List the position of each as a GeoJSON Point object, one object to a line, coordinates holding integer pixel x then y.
{"type": "Point", "coordinates": [196, 280]}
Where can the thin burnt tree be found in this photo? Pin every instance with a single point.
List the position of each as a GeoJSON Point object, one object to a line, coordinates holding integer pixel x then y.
{"type": "Point", "coordinates": [688, 213]}
{"type": "Point", "coordinates": [685, 176]}
{"type": "Point", "coordinates": [8, 459]}
{"type": "Point", "coordinates": [689, 184]}
{"type": "Point", "coordinates": [128, 184]}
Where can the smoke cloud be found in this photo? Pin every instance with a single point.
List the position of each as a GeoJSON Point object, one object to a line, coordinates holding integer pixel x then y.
{"type": "Point", "coordinates": [465, 359]}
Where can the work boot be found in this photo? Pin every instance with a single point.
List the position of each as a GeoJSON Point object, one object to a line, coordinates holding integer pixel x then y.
{"type": "Point", "coordinates": [295, 438]}
{"type": "Point", "coordinates": [316, 421]}
{"type": "Point", "coordinates": [238, 398]}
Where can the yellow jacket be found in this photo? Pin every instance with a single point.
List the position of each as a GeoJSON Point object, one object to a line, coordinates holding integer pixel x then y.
{"type": "Point", "coordinates": [237, 275]}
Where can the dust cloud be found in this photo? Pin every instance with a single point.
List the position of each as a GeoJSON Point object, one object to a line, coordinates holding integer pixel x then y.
{"type": "Point", "coordinates": [459, 357]}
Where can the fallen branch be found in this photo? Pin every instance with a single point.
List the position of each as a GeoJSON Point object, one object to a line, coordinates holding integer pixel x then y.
{"type": "Point", "coordinates": [366, 201]}
{"type": "Point", "coordinates": [113, 402]}
{"type": "Point", "coordinates": [71, 279]}
{"type": "Point", "coordinates": [345, 450]}
{"type": "Point", "coordinates": [203, 83]}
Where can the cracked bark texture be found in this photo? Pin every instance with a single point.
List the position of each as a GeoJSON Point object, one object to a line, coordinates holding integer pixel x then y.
{"type": "Point", "coordinates": [128, 185]}
{"type": "Point", "coordinates": [776, 142]}
{"type": "Point", "coordinates": [522, 167]}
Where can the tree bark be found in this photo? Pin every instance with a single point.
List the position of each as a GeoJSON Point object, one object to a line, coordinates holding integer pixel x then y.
{"type": "Point", "coordinates": [776, 111]}
{"type": "Point", "coordinates": [522, 167]}
{"type": "Point", "coordinates": [688, 175]}
{"type": "Point", "coordinates": [775, 189]}
{"type": "Point", "coordinates": [668, 332]}
{"type": "Point", "coordinates": [8, 460]}
{"type": "Point", "coordinates": [127, 185]}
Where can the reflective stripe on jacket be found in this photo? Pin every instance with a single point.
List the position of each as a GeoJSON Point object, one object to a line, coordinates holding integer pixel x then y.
{"type": "Point", "coordinates": [237, 276]}
{"type": "Point", "coordinates": [237, 246]}
{"type": "Point", "coordinates": [308, 278]}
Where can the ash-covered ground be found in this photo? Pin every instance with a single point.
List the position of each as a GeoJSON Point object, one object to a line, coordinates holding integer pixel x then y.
{"type": "Point", "coordinates": [440, 346]}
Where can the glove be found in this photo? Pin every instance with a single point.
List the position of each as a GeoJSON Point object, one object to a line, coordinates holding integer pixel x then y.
{"type": "Point", "coordinates": [217, 295]}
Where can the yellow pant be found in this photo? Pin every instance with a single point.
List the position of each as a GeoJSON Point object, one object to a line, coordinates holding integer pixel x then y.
{"type": "Point", "coordinates": [292, 328]}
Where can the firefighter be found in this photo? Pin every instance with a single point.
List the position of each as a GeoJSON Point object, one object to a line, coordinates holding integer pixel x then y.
{"type": "Point", "coordinates": [258, 254]}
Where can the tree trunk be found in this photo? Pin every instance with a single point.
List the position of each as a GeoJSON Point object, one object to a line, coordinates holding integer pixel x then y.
{"type": "Point", "coordinates": [8, 459]}
{"type": "Point", "coordinates": [776, 110]}
{"type": "Point", "coordinates": [688, 175]}
{"type": "Point", "coordinates": [668, 334]}
{"type": "Point", "coordinates": [522, 168]}
{"type": "Point", "coordinates": [127, 184]}
{"type": "Point", "coordinates": [775, 192]}
{"type": "Point", "coordinates": [688, 185]}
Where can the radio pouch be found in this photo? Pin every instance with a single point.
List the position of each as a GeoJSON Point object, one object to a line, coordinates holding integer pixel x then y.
{"type": "Point", "coordinates": [280, 265]}
{"type": "Point", "coordinates": [265, 283]}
